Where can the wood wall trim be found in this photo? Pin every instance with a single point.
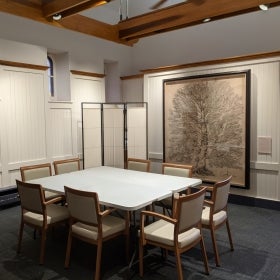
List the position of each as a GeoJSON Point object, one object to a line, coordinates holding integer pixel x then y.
{"type": "Point", "coordinates": [212, 62]}
{"type": "Point", "coordinates": [137, 76]}
{"type": "Point", "coordinates": [89, 74]}
{"type": "Point", "coordinates": [23, 65]}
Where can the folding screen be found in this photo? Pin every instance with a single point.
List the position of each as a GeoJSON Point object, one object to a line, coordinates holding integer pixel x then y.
{"type": "Point", "coordinates": [112, 132]}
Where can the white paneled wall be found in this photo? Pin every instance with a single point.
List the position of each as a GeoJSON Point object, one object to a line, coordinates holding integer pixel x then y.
{"type": "Point", "coordinates": [132, 89]}
{"type": "Point", "coordinates": [60, 132]}
{"type": "Point", "coordinates": [34, 130]}
{"type": "Point", "coordinates": [22, 114]}
{"type": "Point", "coordinates": [265, 115]}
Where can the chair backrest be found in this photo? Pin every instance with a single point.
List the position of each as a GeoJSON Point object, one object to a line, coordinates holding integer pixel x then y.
{"type": "Point", "coordinates": [32, 172]}
{"type": "Point", "coordinates": [31, 197]}
{"type": "Point", "coordinates": [66, 165]}
{"type": "Point", "coordinates": [138, 164]}
{"type": "Point", "coordinates": [220, 194]}
{"type": "Point", "coordinates": [181, 170]}
{"type": "Point", "coordinates": [188, 209]}
{"type": "Point", "coordinates": [83, 206]}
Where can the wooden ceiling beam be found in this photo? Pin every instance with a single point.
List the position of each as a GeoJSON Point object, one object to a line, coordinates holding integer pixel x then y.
{"type": "Point", "coordinates": [76, 23]}
{"type": "Point", "coordinates": [129, 31]}
{"type": "Point", "coordinates": [93, 28]}
{"type": "Point", "coordinates": [68, 7]}
{"type": "Point", "coordinates": [186, 14]}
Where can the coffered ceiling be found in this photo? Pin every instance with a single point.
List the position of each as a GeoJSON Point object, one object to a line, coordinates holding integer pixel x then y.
{"type": "Point", "coordinates": [86, 16]}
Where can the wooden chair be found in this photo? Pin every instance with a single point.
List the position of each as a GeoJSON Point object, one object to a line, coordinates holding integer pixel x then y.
{"type": "Point", "coordinates": [179, 233]}
{"type": "Point", "coordinates": [66, 165]}
{"type": "Point", "coordinates": [215, 214]}
{"type": "Point", "coordinates": [89, 224]}
{"type": "Point", "coordinates": [173, 169]}
{"type": "Point", "coordinates": [139, 164]}
{"type": "Point", "coordinates": [38, 213]}
{"type": "Point", "coordinates": [33, 172]}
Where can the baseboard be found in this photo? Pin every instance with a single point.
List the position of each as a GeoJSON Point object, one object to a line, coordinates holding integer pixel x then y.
{"type": "Point", "coordinates": [8, 197]}
{"type": "Point", "coordinates": [256, 202]}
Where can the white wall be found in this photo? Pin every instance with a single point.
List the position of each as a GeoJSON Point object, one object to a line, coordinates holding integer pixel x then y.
{"type": "Point", "coordinates": [34, 129]}
{"type": "Point", "coordinates": [86, 53]}
{"type": "Point", "coordinates": [240, 35]}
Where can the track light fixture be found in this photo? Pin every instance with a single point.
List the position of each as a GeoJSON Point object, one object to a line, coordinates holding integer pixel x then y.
{"type": "Point", "coordinates": [57, 17]}
{"type": "Point", "coordinates": [206, 20]}
{"type": "Point", "coordinates": [263, 7]}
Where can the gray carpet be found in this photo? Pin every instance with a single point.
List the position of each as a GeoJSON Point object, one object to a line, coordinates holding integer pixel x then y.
{"type": "Point", "coordinates": [256, 237]}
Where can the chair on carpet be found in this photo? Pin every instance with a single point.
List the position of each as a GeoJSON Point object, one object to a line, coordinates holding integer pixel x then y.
{"type": "Point", "coordinates": [32, 172]}
{"type": "Point", "coordinates": [138, 164]}
{"type": "Point", "coordinates": [90, 225]}
{"type": "Point", "coordinates": [178, 234]}
{"type": "Point", "coordinates": [38, 213]}
{"type": "Point", "coordinates": [66, 165]}
{"type": "Point", "coordinates": [173, 169]}
{"type": "Point", "coordinates": [215, 214]}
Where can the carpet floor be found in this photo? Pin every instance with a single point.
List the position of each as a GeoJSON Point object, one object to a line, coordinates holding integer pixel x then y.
{"type": "Point", "coordinates": [256, 238]}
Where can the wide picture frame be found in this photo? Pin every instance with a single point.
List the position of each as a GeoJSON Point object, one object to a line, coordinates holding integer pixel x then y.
{"type": "Point", "coordinates": [206, 123]}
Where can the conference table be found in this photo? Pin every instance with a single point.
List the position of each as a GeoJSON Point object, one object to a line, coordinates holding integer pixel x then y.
{"type": "Point", "coordinates": [123, 189]}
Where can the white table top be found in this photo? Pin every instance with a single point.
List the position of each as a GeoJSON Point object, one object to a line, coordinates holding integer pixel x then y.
{"type": "Point", "coordinates": [121, 188]}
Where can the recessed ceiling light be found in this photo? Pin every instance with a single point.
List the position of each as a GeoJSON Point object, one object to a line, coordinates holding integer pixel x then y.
{"type": "Point", "coordinates": [57, 17]}
{"type": "Point", "coordinates": [206, 20]}
{"type": "Point", "coordinates": [263, 7]}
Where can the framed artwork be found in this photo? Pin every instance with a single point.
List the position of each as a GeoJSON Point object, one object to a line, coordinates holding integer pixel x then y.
{"type": "Point", "coordinates": [206, 123]}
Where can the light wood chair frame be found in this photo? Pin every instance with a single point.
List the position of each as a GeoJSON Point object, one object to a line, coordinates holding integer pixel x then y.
{"type": "Point", "coordinates": [167, 207]}
{"type": "Point", "coordinates": [144, 161]}
{"type": "Point", "coordinates": [45, 226]}
{"type": "Point", "coordinates": [100, 239]}
{"type": "Point", "coordinates": [56, 164]}
{"type": "Point", "coordinates": [49, 195]}
{"type": "Point", "coordinates": [175, 221]}
{"type": "Point", "coordinates": [31, 167]}
{"type": "Point", "coordinates": [213, 210]}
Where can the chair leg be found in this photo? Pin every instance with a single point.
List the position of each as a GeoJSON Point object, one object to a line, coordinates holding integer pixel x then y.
{"type": "Point", "coordinates": [20, 236]}
{"type": "Point", "coordinates": [141, 272]}
{"type": "Point", "coordinates": [179, 265]}
{"type": "Point", "coordinates": [204, 255]}
{"type": "Point", "coordinates": [229, 236]}
{"type": "Point", "coordinates": [68, 249]}
{"type": "Point", "coordinates": [217, 258]}
{"type": "Point", "coordinates": [98, 260]}
{"type": "Point", "coordinates": [43, 245]}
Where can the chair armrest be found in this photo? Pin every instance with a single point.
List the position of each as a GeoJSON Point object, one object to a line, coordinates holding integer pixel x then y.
{"type": "Point", "coordinates": [158, 215]}
{"type": "Point", "coordinates": [107, 212]}
{"type": "Point", "coordinates": [58, 198]}
{"type": "Point", "coordinates": [208, 203]}
{"type": "Point", "coordinates": [208, 188]}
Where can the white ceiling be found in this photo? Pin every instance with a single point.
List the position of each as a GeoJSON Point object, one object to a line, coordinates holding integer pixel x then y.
{"type": "Point", "coordinates": [110, 13]}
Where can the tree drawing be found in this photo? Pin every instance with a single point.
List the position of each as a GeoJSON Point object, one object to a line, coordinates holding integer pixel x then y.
{"type": "Point", "coordinates": [205, 127]}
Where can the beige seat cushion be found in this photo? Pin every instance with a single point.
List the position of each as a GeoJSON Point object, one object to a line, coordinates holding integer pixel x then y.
{"type": "Point", "coordinates": [163, 232]}
{"type": "Point", "coordinates": [56, 213]}
{"type": "Point", "coordinates": [110, 226]}
{"type": "Point", "coordinates": [218, 218]}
